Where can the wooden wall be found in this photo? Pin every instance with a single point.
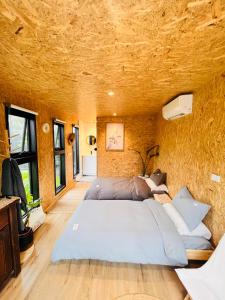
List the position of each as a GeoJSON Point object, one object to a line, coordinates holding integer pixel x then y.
{"type": "Point", "coordinates": [139, 135]}
{"type": "Point", "coordinates": [193, 147]}
{"type": "Point", "coordinates": [45, 147]}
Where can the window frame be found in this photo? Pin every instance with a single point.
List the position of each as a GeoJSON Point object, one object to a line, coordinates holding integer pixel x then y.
{"type": "Point", "coordinates": [61, 152]}
{"type": "Point", "coordinates": [29, 156]}
{"type": "Point", "coordinates": [76, 151]}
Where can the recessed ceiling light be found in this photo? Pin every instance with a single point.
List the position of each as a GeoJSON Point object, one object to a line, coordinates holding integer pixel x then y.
{"type": "Point", "coordinates": [114, 114]}
{"type": "Point", "coordinates": [110, 93]}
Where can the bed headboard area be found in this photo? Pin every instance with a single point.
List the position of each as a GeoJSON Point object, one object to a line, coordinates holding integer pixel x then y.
{"type": "Point", "coordinates": [139, 134]}
{"type": "Point", "coordinates": [192, 148]}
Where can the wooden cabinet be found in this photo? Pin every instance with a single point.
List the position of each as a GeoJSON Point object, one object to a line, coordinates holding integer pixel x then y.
{"type": "Point", "coordinates": [9, 240]}
{"type": "Point", "coordinates": [6, 264]}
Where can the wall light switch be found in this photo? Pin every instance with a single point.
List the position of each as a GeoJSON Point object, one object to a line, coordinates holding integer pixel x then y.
{"type": "Point", "coordinates": [215, 177]}
{"type": "Point", "coordinates": [75, 227]}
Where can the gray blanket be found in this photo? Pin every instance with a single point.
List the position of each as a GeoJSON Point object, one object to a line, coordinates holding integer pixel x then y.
{"type": "Point", "coordinates": [118, 188]}
{"type": "Point", "coordinates": [121, 231]}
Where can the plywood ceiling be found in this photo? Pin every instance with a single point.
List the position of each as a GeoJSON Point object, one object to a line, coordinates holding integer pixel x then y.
{"type": "Point", "coordinates": [69, 53]}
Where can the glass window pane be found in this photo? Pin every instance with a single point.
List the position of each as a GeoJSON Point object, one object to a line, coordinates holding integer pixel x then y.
{"type": "Point", "coordinates": [57, 136]}
{"type": "Point", "coordinates": [18, 134]}
{"type": "Point", "coordinates": [21, 127]}
{"type": "Point", "coordinates": [25, 171]}
{"type": "Point", "coordinates": [57, 171]}
{"type": "Point", "coordinates": [26, 141]}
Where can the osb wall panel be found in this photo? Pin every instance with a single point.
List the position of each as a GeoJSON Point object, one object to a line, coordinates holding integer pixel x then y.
{"type": "Point", "coordinates": [139, 135]}
{"type": "Point", "coordinates": [45, 147]}
{"type": "Point", "coordinates": [193, 147]}
{"type": "Point", "coordinates": [3, 145]}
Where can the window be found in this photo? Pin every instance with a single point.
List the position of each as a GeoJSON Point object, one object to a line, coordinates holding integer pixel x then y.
{"type": "Point", "coordinates": [76, 163]}
{"type": "Point", "coordinates": [59, 156]}
{"type": "Point", "coordinates": [22, 135]}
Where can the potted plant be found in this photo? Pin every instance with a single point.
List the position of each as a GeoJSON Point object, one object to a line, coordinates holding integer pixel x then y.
{"type": "Point", "coordinates": [26, 236]}
{"type": "Point", "coordinates": [145, 159]}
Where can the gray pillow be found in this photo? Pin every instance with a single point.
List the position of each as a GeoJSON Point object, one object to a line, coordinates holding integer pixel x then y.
{"type": "Point", "coordinates": [158, 178]}
{"type": "Point", "coordinates": [192, 211]}
{"type": "Point", "coordinates": [157, 171]}
{"type": "Point", "coordinates": [142, 189]}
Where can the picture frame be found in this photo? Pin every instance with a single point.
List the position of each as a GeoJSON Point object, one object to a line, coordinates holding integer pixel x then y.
{"type": "Point", "coordinates": [114, 137]}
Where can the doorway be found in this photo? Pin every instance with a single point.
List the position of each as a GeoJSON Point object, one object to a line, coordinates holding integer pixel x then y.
{"type": "Point", "coordinates": [76, 155]}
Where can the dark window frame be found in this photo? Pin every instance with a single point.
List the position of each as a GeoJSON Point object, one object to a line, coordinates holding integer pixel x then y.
{"type": "Point", "coordinates": [76, 153]}
{"type": "Point", "coordinates": [29, 156]}
{"type": "Point", "coordinates": [61, 152]}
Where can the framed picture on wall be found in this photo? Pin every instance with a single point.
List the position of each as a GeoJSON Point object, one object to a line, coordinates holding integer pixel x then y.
{"type": "Point", "coordinates": [114, 136]}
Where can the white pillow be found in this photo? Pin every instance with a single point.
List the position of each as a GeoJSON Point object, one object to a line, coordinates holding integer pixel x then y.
{"type": "Point", "coordinates": [37, 218]}
{"type": "Point", "coordinates": [201, 230]}
{"type": "Point", "coordinates": [154, 187]}
{"type": "Point", "coordinates": [161, 187]}
{"type": "Point", "coordinates": [150, 183]}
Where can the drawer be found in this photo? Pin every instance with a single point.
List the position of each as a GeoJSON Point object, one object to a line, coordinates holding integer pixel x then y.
{"type": "Point", "coordinates": [4, 219]}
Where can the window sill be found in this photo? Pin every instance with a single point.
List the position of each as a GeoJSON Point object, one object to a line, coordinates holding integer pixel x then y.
{"type": "Point", "coordinates": [59, 189]}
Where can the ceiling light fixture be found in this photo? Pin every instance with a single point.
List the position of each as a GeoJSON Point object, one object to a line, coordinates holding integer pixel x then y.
{"type": "Point", "coordinates": [110, 93]}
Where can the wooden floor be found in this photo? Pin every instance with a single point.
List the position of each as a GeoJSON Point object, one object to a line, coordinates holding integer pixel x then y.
{"type": "Point", "coordinates": [85, 280]}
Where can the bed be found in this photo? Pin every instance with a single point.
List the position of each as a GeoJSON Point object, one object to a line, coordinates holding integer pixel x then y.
{"type": "Point", "coordinates": [135, 188]}
{"type": "Point", "coordinates": [128, 232]}
{"type": "Point", "coordinates": [118, 188]}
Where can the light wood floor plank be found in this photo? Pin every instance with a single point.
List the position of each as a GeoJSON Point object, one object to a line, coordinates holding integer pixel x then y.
{"type": "Point", "coordinates": [86, 280]}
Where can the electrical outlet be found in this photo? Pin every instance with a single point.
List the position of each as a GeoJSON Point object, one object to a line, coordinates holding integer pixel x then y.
{"type": "Point", "coordinates": [215, 178]}
{"type": "Point", "coordinates": [75, 227]}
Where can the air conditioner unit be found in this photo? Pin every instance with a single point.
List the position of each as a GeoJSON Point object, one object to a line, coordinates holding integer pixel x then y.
{"type": "Point", "coordinates": [177, 108]}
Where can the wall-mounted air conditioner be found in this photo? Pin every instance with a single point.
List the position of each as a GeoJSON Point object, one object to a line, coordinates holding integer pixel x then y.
{"type": "Point", "coordinates": [177, 108]}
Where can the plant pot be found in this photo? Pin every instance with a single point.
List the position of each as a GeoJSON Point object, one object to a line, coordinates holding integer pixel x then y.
{"type": "Point", "coordinates": [26, 239]}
